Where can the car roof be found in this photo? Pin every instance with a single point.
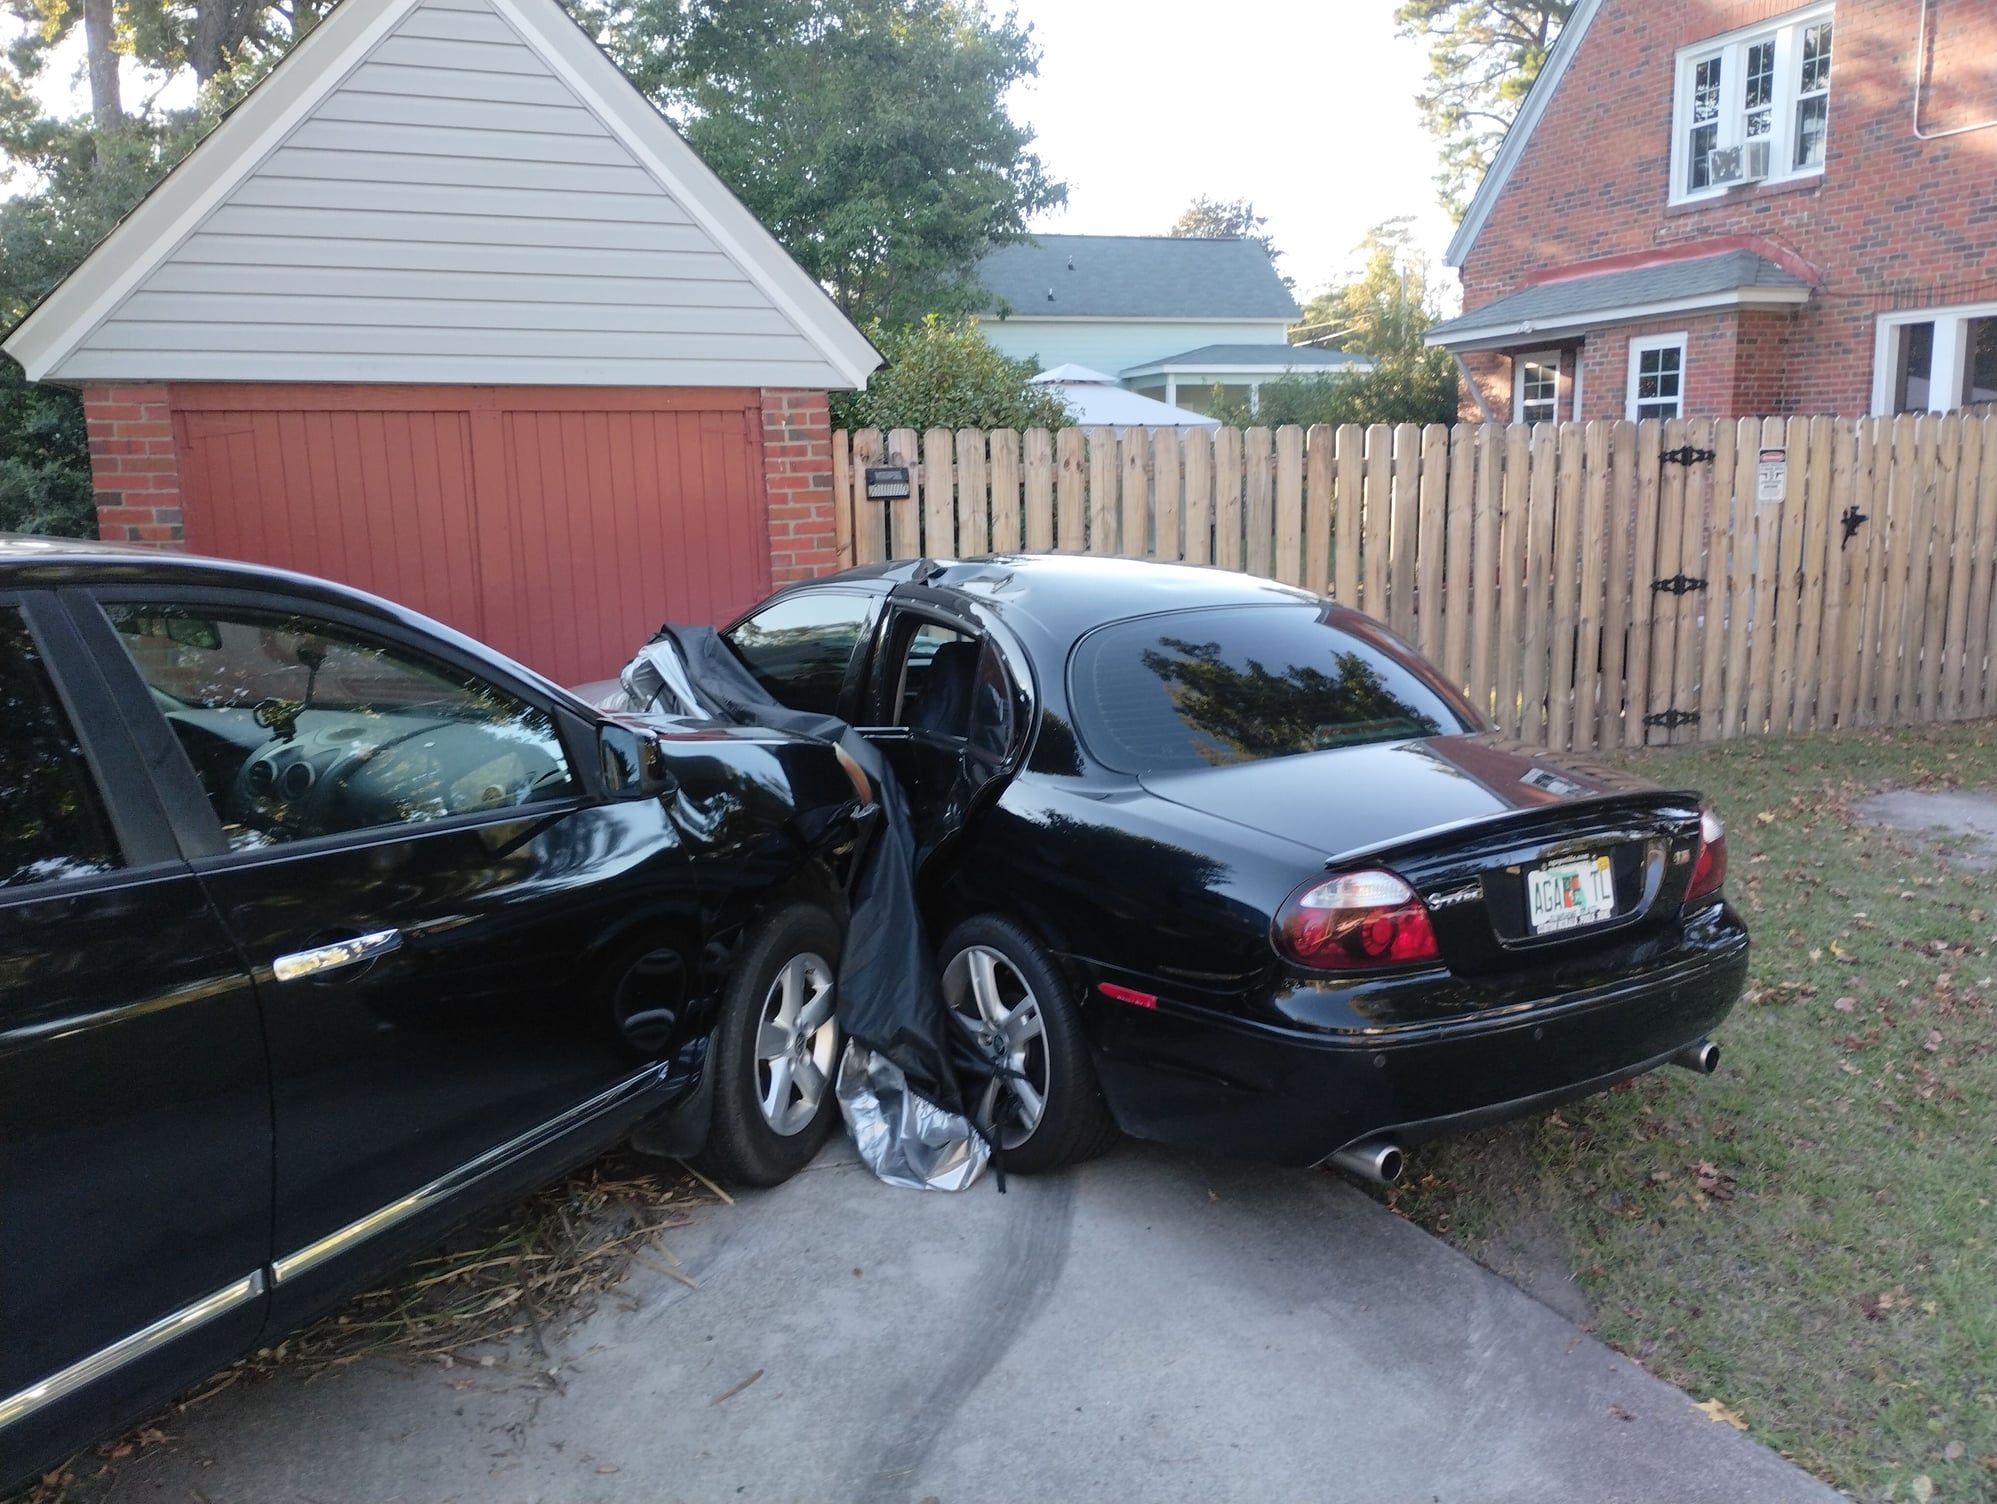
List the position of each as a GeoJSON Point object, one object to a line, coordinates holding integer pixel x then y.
{"type": "Point", "coordinates": [1062, 596]}
{"type": "Point", "coordinates": [29, 560]}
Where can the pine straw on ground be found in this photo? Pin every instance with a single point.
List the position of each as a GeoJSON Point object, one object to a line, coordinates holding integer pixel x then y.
{"type": "Point", "coordinates": [526, 1276]}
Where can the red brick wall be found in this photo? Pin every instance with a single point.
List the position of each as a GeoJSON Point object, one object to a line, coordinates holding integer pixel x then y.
{"type": "Point", "coordinates": [1893, 222]}
{"type": "Point", "coordinates": [797, 465]}
{"type": "Point", "coordinates": [133, 464]}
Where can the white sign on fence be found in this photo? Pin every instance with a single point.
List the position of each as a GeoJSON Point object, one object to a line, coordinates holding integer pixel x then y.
{"type": "Point", "coordinates": [1771, 478]}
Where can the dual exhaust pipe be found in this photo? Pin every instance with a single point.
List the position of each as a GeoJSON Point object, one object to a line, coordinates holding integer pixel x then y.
{"type": "Point", "coordinates": [1381, 1161]}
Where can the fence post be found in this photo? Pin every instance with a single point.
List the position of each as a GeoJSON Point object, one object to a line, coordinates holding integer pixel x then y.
{"type": "Point", "coordinates": [1005, 490]}
{"type": "Point", "coordinates": [1289, 504]}
{"type": "Point", "coordinates": [1199, 496]}
{"type": "Point", "coordinates": [1165, 492]}
{"type": "Point", "coordinates": [1071, 496]}
{"type": "Point", "coordinates": [1039, 491]}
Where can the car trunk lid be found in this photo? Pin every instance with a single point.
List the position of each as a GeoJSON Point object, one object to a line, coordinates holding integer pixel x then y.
{"type": "Point", "coordinates": [1478, 825]}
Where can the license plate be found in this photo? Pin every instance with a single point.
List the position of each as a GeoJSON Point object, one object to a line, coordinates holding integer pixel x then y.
{"type": "Point", "coordinates": [1567, 895]}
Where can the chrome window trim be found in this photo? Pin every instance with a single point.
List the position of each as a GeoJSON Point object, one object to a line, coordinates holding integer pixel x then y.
{"type": "Point", "coordinates": [127, 1349]}
{"type": "Point", "coordinates": [313, 1254]}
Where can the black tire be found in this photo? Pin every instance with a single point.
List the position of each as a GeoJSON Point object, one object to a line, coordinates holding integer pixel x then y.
{"type": "Point", "coordinates": [746, 1144]}
{"type": "Point", "coordinates": [1051, 1060]}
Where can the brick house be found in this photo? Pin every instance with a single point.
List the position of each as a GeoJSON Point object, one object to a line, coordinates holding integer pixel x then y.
{"type": "Point", "coordinates": [1695, 214]}
{"type": "Point", "coordinates": [446, 310]}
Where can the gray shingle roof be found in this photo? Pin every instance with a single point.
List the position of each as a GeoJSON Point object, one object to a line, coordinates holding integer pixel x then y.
{"type": "Point", "coordinates": [1275, 357]}
{"type": "Point", "coordinates": [1135, 276]}
{"type": "Point", "coordinates": [1577, 301]}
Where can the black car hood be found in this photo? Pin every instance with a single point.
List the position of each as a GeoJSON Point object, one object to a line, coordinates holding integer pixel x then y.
{"type": "Point", "coordinates": [1351, 799]}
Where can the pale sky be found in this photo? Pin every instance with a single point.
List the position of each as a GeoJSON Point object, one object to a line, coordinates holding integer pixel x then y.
{"type": "Point", "coordinates": [1305, 107]}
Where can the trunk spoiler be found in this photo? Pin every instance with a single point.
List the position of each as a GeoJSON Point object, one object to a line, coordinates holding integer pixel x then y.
{"type": "Point", "coordinates": [1524, 820]}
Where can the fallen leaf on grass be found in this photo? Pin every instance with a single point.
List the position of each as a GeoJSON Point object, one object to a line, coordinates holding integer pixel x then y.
{"type": "Point", "coordinates": [1845, 1004]}
{"type": "Point", "coordinates": [1922, 1487]}
{"type": "Point", "coordinates": [1714, 1410]}
{"type": "Point", "coordinates": [1953, 1451]}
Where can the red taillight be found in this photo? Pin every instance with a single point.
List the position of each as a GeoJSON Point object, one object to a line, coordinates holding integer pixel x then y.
{"type": "Point", "coordinates": [1711, 868]}
{"type": "Point", "coordinates": [1360, 919]}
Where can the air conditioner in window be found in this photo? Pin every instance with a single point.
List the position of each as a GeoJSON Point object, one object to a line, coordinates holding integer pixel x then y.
{"type": "Point", "coordinates": [1726, 164]}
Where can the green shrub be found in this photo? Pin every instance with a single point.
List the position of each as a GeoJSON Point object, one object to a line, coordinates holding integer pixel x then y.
{"type": "Point", "coordinates": [942, 373]}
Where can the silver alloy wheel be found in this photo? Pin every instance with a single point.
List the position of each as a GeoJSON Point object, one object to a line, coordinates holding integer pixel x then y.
{"type": "Point", "coordinates": [992, 1003]}
{"type": "Point", "coordinates": [796, 1042]}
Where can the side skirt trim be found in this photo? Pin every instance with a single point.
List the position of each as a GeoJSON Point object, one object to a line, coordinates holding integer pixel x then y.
{"type": "Point", "coordinates": [445, 1186]}
{"type": "Point", "coordinates": [128, 1349]}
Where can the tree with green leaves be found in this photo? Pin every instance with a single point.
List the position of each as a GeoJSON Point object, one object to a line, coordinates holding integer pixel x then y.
{"type": "Point", "coordinates": [1483, 56]}
{"type": "Point", "coordinates": [871, 136]}
{"type": "Point", "coordinates": [1225, 219]}
{"type": "Point", "coordinates": [942, 373]}
{"type": "Point", "coordinates": [1382, 313]}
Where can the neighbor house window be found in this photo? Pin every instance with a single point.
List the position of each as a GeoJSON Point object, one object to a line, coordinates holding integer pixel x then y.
{"type": "Point", "coordinates": [1657, 376]}
{"type": "Point", "coordinates": [1536, 387]}
{"type": "Point", "coordinates": [1752, 106]}
{"type": "Point", "coordinates": [1935, 359]}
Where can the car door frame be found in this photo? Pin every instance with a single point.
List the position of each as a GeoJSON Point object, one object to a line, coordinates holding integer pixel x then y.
{"type": "Point", "coordinates": [920, 604]}
{"type": "Point", "coordinates": [312, 1278]}
{"type": "Point", "coordinates": [149, 850]}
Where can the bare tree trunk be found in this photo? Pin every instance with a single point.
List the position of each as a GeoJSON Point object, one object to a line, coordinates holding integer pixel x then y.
{"type": "Point", "coordinates": [107, 105]}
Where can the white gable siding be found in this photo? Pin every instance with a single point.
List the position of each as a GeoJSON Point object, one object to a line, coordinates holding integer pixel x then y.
{"type": "Point", "coordinates": [1115, 345]}
{"type": "Point", "coordinates": [451, 212]}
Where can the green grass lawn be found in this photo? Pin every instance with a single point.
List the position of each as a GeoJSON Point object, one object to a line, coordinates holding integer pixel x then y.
{"type": "Point", "coordinates": [1809, 1236]}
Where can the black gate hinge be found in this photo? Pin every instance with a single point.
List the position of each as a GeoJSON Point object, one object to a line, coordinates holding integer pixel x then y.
{"type": "Point", "coordinates": [1687, 455]}
{"type": "Point", "coordinates": [1678, 584]}
{"type": "Point", "coordinates": [1672, 719]}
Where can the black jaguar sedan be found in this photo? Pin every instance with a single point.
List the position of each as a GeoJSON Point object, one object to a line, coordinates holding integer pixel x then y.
{"type": "Point", "coordinates": [323, 927]}
{"type": "Point", "coordinates": [1217, 862]}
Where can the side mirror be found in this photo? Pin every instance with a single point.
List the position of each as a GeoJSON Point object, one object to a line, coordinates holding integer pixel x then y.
{"type": "Point", "coordinates": [634, 763]}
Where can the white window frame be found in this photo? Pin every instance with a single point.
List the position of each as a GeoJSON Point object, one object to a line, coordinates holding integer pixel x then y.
{"type": "Point", "coordinates": [1556, 359]}
{"type": "Point", "coordinates": [1643, 345]}
{"type": "Point", "coordinates": [1944, 365]}
{"type": "Point", "coordinates": [1787, 33]}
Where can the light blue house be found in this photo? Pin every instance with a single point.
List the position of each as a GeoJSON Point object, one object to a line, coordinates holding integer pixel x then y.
{"type": "Point", "coordinates": [1172, 318]}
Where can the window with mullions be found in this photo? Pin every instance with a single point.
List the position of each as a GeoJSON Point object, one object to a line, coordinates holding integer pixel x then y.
{"type": "Point", "coordinates": [1753, 106]}
{"type": "Point", "coordinates": [1657, 377]}
{"type": "Point", "coordinates": [1536, 393]}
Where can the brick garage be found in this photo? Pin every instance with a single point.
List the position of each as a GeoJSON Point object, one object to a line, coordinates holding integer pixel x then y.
{"type": "Point", "coordinates": [1893, 224]}
{"type": "Point", "coordinates": [508, 353]}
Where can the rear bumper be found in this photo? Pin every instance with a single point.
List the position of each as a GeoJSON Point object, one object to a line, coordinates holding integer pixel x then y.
{"type": "Point", "coordinates": [1201, 1079]}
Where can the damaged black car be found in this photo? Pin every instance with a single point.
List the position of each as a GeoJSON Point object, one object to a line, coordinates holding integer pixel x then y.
{"type": "Point", "coordinates": [323, 927]}
{"type": "Point", "coordinates": [1214, 861]}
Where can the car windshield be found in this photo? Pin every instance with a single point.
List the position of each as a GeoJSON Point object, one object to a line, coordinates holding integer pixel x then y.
{"type": "Point", "coordinates": [1215, 687]}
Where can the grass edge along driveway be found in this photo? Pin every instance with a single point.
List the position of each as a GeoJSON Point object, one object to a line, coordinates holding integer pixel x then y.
{"type": "Point", "coordinates": [1809, 1237]}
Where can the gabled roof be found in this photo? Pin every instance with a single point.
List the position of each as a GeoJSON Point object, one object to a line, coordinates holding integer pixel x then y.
{"type": "Point", "coordinates": [443, 191]}
{"type": "Point", "coordinates": [1270, 357]}
{"type": "Point", "coordinates": [1729, 279]}
{"type": "Point", "coordinates": [1134, 276]}
{"type": "Point", "coordinates": [1520, 132]}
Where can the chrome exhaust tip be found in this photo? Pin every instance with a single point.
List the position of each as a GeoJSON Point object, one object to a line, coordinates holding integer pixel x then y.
{"type": "Point", "coordinates": [1702, 1056]}
{"type": "Point", "coordinates": [1376, 1159]}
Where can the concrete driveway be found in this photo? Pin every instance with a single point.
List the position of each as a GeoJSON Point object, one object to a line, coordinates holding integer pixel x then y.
{"type": "Point", "coordinates": [1155, 1326]}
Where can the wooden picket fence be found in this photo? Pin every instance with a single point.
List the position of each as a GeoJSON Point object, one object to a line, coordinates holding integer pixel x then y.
{"type": "Point", "coordinates": [1589, 584]}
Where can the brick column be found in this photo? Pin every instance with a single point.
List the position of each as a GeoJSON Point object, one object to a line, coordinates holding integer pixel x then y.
{"type": "Point", "coordinates": [797, 473]}
{"type": "Point", "coordinates": [133, 466]}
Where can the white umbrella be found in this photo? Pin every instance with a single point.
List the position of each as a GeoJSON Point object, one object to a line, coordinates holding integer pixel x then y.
{"type": "Point", "coordinates": [1095, 400]}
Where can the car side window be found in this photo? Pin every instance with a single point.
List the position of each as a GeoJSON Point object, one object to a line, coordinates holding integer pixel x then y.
{"type": "Point", "coordinates": [800, 648]}
{"type": "Point", "coordinates": [52, 822]}
{"type": "Point", "coordinates": [953, 685]}
{"type": "Point", "coordinates": [300, 727]}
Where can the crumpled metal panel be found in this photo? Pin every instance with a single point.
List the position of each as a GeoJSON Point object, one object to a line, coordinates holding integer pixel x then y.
{"type": "Point", "coordinates": [905, 1140]}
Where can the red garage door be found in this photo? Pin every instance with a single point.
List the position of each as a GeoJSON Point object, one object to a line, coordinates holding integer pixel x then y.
{"type": "Point", "coordinates": [561, 525]}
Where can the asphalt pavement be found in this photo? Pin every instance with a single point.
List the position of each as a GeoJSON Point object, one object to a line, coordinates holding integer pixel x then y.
{"type": "Point", "coordinates": [1152, 1327]}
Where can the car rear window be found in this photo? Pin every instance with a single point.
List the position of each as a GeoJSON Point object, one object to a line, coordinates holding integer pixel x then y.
{"type": "Point", "coordinates": [1210, 688]}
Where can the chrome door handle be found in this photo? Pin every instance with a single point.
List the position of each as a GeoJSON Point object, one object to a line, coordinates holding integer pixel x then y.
{"type": "Point", "coordinates": [324, 958]}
